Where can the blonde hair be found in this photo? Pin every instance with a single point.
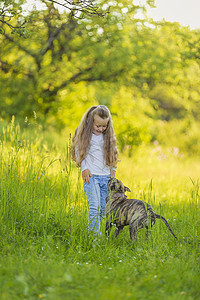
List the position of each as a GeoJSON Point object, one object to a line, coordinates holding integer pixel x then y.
{"type": "Point", "coordinates": [83, 134]}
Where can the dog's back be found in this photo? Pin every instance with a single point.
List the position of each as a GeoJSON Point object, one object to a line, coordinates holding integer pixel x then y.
{"type": "Point", "coordinates": [122, 211]}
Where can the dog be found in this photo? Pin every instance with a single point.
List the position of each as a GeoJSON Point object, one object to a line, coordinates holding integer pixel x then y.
{"type": "Point", "coordinates": [121, 211]}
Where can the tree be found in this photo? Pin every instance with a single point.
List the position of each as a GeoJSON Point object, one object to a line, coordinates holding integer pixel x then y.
{"type": "Point", "coordinates": [13, 13]}
{"type": "Point", "coordinates": [80, 7]}
{"type": "Point", "coordinates": [9, 11]}
{"type": "Point", "coordinates": [62, 51]}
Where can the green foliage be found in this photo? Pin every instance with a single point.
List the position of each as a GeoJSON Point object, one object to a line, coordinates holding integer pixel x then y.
{"type": "Point", "coordinates": [130, 115]}
{"type": "Point", "coordinates": [144, 72]}
{"type": "Point", "coordinates": [168, 103]}
{"type": "Point", "coordinates": [182, 134]}
{"type": "Point", "coordinates": [12, 17]}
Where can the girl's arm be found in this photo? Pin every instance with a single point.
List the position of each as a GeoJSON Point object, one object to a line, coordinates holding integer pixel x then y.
{"type": "Point", "coordinates": [86, 174]}
{"type": "Point", "coordinates": [112, 173]}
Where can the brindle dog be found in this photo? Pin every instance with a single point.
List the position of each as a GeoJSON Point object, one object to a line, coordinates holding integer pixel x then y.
{"type": "Point", "coordinates": [121, 211]}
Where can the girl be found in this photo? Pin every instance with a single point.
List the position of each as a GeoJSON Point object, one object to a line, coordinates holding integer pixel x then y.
{"type": "Point", "coordinates": [95, 151]}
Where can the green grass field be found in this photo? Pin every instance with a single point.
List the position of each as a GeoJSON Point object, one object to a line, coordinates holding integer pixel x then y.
{"type": "Point", "coordinates": [45, 250]}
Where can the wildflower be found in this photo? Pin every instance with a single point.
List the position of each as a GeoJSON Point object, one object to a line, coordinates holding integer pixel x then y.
{"type": "Point", "coordinates": [35, 115]}
{"type": "Point", "coordinates": [175, 151]}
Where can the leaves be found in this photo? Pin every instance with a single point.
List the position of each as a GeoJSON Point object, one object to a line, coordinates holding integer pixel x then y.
{"type": "Point", "coordinates": [67, 64]}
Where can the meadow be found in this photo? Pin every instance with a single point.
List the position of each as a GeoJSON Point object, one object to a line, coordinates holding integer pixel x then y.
{"type": "Point", "coordinates": [45, 249]}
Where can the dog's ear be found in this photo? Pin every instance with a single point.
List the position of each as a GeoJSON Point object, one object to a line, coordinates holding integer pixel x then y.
{"type": "Point", "coordinates": [126, 189]}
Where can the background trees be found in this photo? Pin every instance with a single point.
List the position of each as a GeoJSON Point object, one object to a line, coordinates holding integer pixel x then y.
{"type": "Point", "coordinates": [147, 73]}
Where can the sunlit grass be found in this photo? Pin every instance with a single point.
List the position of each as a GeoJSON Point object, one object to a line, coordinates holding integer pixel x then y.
{"type": "Point", "coordinates": [46, 251]}
{"type": "Point", "coordinates": [167, 173]}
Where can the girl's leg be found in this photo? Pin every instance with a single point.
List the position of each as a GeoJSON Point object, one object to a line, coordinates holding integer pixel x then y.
{"type": "Point", "coordinates": [92, 191]}
{"type": "Point", "coordinates": [103, 194]}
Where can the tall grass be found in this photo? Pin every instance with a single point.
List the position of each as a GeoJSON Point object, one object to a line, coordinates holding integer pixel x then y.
{"type": "Point", "coordinates": [46, 251]}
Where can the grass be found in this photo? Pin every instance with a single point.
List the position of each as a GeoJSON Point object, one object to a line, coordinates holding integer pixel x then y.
{"type": "Point", "coordinates": [45, 250]}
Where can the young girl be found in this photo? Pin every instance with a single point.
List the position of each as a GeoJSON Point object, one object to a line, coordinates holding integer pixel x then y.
{"type": "Point", "coordinates": [95, 151]}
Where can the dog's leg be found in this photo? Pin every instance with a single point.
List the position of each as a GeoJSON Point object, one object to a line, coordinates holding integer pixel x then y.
{"type": "Point", "coordinates": [108, 228]}
{"type": "Point", "coordinates": [147, 233]}
{"type": "Point", "coordinates": [149, 223]}
{"type": "Point", "coordinates": [134, 226]}
{"type": "Point", "coordinates": [117, 231]}
{"type": "Point", "coordinates": [133, 234]}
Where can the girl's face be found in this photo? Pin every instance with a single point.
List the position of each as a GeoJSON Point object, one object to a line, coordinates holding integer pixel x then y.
{"type": "Point", "coordinates": [99, 124]}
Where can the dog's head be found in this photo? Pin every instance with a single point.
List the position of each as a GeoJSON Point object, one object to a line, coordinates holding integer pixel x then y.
{"type": "Point", "coordinates": [115, 185]}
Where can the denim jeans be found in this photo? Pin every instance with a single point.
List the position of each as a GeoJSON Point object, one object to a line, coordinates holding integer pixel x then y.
{"type": "Point", "coordinates": [96, 191]}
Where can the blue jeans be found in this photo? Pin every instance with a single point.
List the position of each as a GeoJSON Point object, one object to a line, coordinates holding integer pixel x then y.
{"type": "Point", "coordinates": [96, 191]}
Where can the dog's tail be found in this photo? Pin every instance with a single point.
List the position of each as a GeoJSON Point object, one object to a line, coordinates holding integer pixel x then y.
{"type": "Point", "coordinates": [166, 223]}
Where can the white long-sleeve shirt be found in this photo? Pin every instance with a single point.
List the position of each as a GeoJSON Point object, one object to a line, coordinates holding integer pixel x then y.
{"type": "Point", "coordinates": [94, 160]}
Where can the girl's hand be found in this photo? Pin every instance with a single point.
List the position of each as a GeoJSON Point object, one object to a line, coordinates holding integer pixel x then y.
{"type": "Point", "coordinates": [112, 173]}
{"type": "Point", "coordinates": [86, 176]}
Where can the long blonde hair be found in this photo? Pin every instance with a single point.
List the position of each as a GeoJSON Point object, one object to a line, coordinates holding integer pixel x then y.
{"type": "Point", "coordinates": [83, 134]}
